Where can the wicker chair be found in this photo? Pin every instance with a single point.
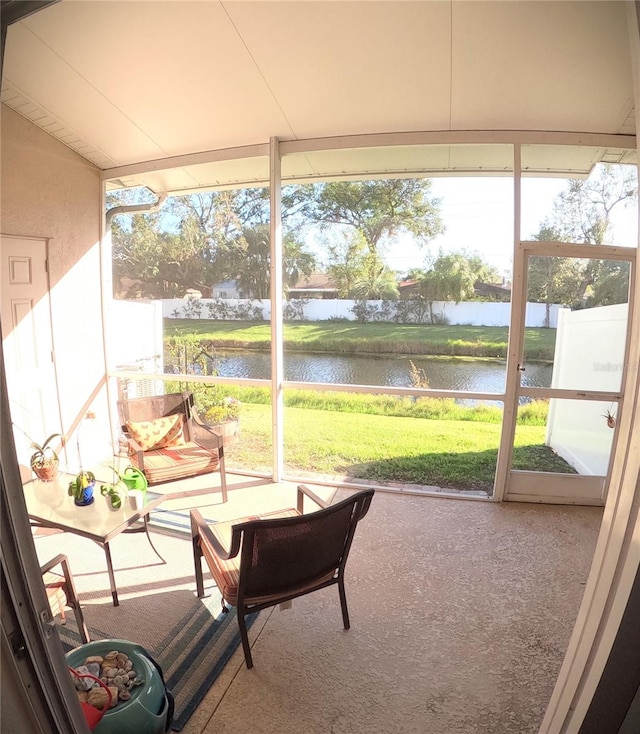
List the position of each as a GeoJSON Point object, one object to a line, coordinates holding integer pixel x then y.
{"type": "Point", "coordinates": [191, 448]}
{"type": "Point", "coordinates": [279, 556]}
{"type": "Point", "coordinates": [61, 592]}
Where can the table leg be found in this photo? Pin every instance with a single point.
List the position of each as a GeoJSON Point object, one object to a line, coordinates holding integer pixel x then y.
{"type": "Point", "coordinates": [146, 530]}
{"type": "Point", "coordinates": [112, 578]}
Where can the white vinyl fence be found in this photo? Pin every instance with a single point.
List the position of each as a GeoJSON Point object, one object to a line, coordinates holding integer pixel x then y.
{"type": "Point", "coordinates": [472, 313]}
{"type": "Point", "coordinates": [589, 356]}
{"type": "Point", "coordinates": [136, 342]}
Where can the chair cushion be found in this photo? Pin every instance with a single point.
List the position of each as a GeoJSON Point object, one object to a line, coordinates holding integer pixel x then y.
{"type": "Point", "coordinates": [226, 574]}
{"type": "Point", "coordinates": [174, 462]}
{"type": "Point", "coordinates": [54, 586]}
{"type": "Point", "coordinates": [157, 433]}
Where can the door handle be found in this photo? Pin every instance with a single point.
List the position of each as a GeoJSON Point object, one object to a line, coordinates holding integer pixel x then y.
{"type": "Point", "coordinates": [521, 368]}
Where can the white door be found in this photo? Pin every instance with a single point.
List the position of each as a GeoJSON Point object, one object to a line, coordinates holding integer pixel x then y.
{"type": "Point", "coordinates": [27, 341]}
{"type": "Point", "coordinates": [582, 403]}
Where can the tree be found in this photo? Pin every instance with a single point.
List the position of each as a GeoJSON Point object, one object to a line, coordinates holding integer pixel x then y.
{"type": "Point", "coordinates": [211, 236]}
{"type": "Point", "coordinates": [167, 263]}
{"type": "Point", "coordinates": [450, 278]}
{"type": "Point", "coordinates": [582, 214]}
{"type": "Point", "coordinates": [554, 280]}
{"type": "Point", "coordinates": [378, 210]}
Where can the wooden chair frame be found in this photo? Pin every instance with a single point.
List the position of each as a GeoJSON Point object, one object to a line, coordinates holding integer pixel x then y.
{"type": "Point", "coordinates": [243, 542]}
{"type": "Point", "coordinates": [148, 408]}
{"type": "Point", "coordinates": [67, 586]}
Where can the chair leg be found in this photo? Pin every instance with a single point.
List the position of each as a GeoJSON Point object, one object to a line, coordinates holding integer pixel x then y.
{"type": "Point", "coordinates": [82, 627]}
{"type": "Point", "coordinates": [223, 473]}
{"type": "Point", "coordinates": [245, 638]}
{"type": "Point", "coordinates": [343, 603]}
{"type": "Point", "coordinates": [197, 559]}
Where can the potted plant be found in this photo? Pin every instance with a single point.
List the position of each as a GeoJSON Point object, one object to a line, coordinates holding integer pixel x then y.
{"type": "Point", "coordinates": [44, 461]}
{"type": "Point", "coordinates": [131, 482]}
{"type": "Point", "coordinates": [219, 411]}
{"type": "Point", "coordinates": [81, 488]}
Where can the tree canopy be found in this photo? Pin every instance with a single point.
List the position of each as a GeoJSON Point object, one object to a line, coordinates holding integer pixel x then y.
{"type": "Point", "coordinates": [379, 210]}
{"type": "Point", "coordinates": [199, 239]}
{"type": "Point", "coordinates": [582, 214]}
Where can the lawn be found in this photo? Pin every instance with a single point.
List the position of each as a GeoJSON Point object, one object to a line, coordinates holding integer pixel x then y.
{"type": "Point", "coordinates": [378, 448]}
{"type": "Point", "coordinates": [372, 338]}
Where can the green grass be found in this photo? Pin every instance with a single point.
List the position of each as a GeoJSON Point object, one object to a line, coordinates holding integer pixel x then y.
{"type": "Point", "coordinates": [531, 414]}
{"type": "Point", "coordinates": [382, 438]}
{"type": "Point", "coordinates": [380, 448]}
{"type": "Point", "coordinates": [357, 338]}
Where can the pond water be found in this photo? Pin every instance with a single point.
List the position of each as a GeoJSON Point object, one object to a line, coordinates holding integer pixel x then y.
{"type": "Point", "coordinates": [387, 370]}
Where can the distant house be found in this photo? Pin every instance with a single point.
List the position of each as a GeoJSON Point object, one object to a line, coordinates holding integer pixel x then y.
{"type": "Point", "coordinates": [408, 288]}
{"type": "Point", "coordinates": [226, 289]}
{"type": "Point", "coordinates": [316, 285]}
{"type": "Point", "coordinates": [493, 291]}
{"type": "Point", "coordinates": [490, 291]}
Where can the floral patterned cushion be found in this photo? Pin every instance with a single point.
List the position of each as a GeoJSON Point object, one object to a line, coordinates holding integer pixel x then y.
{"type": "Point", "coordinates": [157, 433]}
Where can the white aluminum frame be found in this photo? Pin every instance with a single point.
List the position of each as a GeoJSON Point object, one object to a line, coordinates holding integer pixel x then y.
{"type": "Point", "coordinates": [551, 490]}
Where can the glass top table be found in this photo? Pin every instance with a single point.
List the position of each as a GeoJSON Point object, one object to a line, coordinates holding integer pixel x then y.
{"type": "Point", "coordinates": [49, 506]}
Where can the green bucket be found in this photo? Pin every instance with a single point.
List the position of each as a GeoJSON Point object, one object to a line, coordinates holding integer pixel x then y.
{"type": "Point", "coordinates": [150, 708]}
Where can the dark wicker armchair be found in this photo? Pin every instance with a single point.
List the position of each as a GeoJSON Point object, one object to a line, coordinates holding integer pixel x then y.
{"type": "Point", "coordinates": [61, 592]}
{"type": "Point", "coordinates": [258, 562]}
{"type": "Point", "coordinates": [168, 442]}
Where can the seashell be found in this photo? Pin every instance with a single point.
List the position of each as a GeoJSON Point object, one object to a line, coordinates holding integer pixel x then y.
{"type": "Point", "coordinates": [111, 673]}
{"type": "Point", "coordinates": [124, 695]}
{"type": "Point", "coordinates": [111, 655]}
{"type": "Point", "coordinates": [131, 674]}
{"type": "Point", "coordinates": [94, 659]}
{"type": "Point", "coordinates": [118, 681]}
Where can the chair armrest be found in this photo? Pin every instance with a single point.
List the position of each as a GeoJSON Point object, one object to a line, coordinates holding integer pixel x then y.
{"type": "Point", "coordinates": [199, 528]}
{"type": "Point", "coordinates": [207, 433]}
{"type": "Point", "coordinates": [304, 490]}
{"type": "Point", "coordinates": [135, 447]}
{"type": "Point", "coordinates": [59, 560]}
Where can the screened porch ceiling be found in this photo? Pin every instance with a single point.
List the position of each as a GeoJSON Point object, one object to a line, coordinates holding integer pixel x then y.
{"type": "Point", "coordinates": [126, 83]}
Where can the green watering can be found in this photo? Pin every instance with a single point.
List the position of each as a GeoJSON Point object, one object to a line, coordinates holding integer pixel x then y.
{"type": "Point", "coordinates": [134, 479]}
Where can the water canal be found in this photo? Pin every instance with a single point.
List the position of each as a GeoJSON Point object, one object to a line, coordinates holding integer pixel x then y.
{"type": "Point", "coordinates": [475, 375]}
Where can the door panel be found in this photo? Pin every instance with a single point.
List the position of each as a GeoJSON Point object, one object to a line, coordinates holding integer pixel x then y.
{"type": "Point", "coordinates": [580, 408]}
{"type": "Point", "coordinates": [27, 341]}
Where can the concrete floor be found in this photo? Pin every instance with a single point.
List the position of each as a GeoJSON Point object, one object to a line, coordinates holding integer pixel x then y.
{"type": "Point", "coordinates": [461, 612]}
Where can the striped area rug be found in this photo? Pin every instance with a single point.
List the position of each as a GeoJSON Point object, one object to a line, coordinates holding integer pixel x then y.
{"type": "Point", "coordinates": [191, 656]}
{"type": "Point", "coordinates": [174, 521]}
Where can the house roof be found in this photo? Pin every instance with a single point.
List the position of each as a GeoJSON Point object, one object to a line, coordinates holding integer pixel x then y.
{"type": "Point", "coordinates": [143, 82]}
{"type": "Point", "coordinates": [315, 282]}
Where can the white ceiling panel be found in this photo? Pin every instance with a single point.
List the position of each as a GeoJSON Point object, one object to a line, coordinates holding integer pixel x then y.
{"type": "Point", "coordinates": [178, 70]}
{"type": "Point", "coordinates": [343, 68]}
{"type": "Point", "coordinates": [128, 82]}
{"type": "Point", "coordinates": [541, 66]}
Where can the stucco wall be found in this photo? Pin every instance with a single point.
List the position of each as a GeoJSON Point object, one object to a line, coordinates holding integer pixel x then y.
{"type": "Point", "coordinates": [48, 191]}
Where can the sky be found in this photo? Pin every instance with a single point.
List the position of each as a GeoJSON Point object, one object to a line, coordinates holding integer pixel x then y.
{"type": "Point", "coordinates": [477, 213]}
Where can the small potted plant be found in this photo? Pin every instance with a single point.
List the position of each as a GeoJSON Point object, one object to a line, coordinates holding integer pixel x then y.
{"type": "Point", "coordinates": [81, 488]}
{"type": "Point", "coordinates": [219, 411]}
{"type": "Point", "coordinates": [114, 492]}
{"type": "Point", "coordinates": [131, 482]}
{"type": "Point", "coordinates": [44, 461]}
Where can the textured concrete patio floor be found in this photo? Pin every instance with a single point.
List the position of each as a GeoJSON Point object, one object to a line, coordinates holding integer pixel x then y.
{"type": "Point", "coordinates": [461, 612]}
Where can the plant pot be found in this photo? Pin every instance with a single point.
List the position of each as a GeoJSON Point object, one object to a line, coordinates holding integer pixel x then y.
{"type": "Point", "coordinates": [229, 430]}
{"type": "Point", "coordinates": [46, 473]}
{"type": "Point", "coordinates": [87, 496]}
